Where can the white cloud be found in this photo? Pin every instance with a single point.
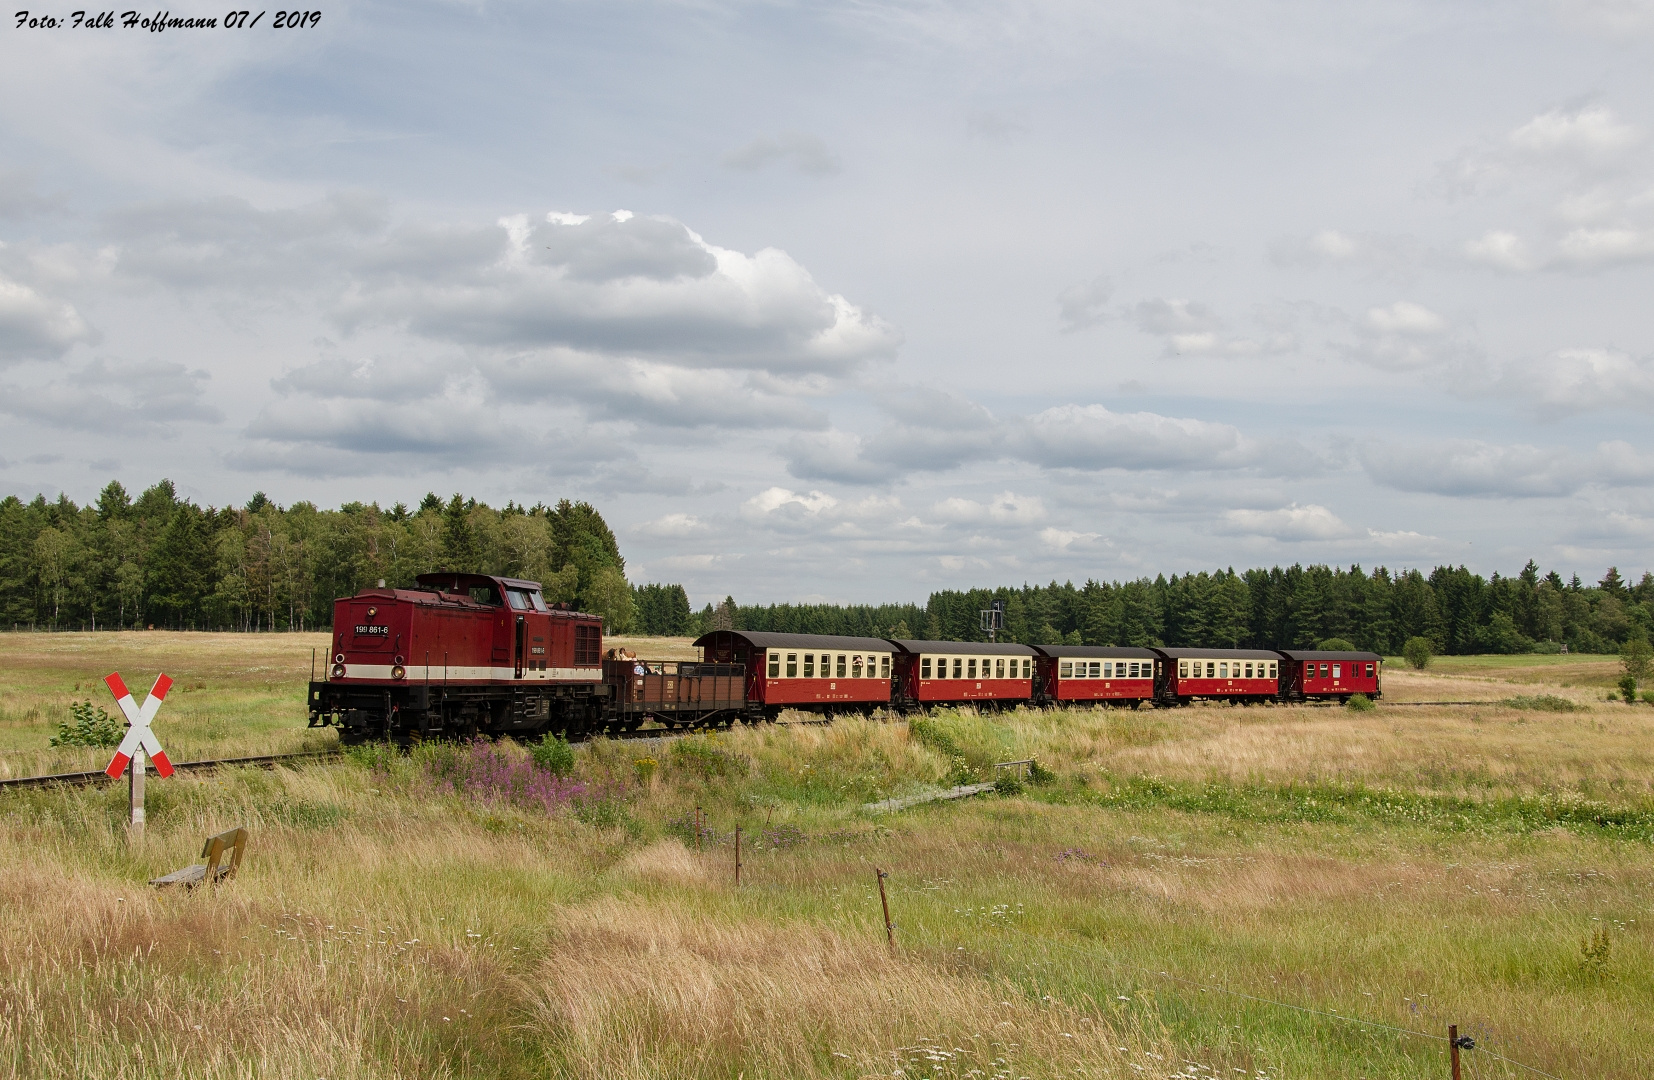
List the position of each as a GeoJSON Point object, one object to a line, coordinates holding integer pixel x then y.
{"type": "Point", "coordinates": [1069, 539]}
{"type": "Point", "coordinates": [1608, 246]}
{"type": "Point", "coordinates": [672, 526]}
{"type": "Point", "coordinates": [1092, 437]}
{"type": "Point", "coordinates": [1006, 508]}
{"type": "Point", "coordinates": [1407, 319]}
{"type": "Point", "coordinates": [774, 499]}
{"type": "Point", "coordinates": [1474, 468]}
{"type": "Point", "coordinates": [1581, 380]}
{"type": "Point", "coordinates": [143, 397]}
{"type": "Point", "coordinates": [35, 326]}
{"type": "Point", "coordinates": [1292, 522]}
{"type": "Point", "coordinates": [1591, 132]}
{"type": "Point", "coordinates": [1503, 250]}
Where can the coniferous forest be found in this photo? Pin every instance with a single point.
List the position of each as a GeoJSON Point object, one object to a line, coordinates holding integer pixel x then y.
{"type": "Point", "coordinates": [160, 560]}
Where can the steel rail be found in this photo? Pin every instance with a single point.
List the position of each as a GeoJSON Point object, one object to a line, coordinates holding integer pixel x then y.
{"type": "Point", "coordinates": [80, 779]}
{"type": "Point", "coordinates": [270, 761]}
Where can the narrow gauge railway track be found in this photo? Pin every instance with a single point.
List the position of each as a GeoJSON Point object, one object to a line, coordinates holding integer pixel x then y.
{"type": "Point", "coordinates": [270, 761]}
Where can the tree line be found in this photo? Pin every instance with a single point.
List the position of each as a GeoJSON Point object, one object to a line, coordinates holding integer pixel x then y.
{"type": "Point", "coordinates": [1455, 610]}
{"type": "Point", "coordinates": [162, 561]}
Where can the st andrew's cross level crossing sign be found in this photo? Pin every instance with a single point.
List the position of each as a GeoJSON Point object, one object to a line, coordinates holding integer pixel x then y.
{"type": "Point", "coordinates": [139, 735]}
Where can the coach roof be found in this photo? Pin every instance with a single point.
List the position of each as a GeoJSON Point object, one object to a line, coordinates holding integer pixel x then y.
{"type": "Point", "coordinates": [961, 648]}
{"type": "Point", "coordinates": [1100, 651]}
{"type": "Point", "coordinates": [1310, 654]}
{"type": "Point", "coordinates": [764, 639]}
{"type": "Point", "coordinates": [1218, 654]}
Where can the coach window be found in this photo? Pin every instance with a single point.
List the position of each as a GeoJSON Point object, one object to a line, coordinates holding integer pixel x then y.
{"type": "Point", "coordinates": [1248, 670]}
{"type": "Point", "coordinates": [792, 665]}
{"type": "Point", "coordinates": [1338, 671]}
{"type": "Point", "coordinates": [1066, 669]}
{"type": "Point", "coordinates": [809, 665]}
{"type": "Point", "coordinates": [841, 665]}
{"type": "Point", "coordinates": [1028, 669]}
{"type": "Point", "coordinates": [1323, 671]}
{"type": "Point", "coordinates": [775, 665]}
{"type": "Point", "coordinates": [884, 667]}
{"type": "Point", "coordinates": [1369, 671]}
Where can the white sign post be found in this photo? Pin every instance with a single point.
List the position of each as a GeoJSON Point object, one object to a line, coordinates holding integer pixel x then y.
{"type": "Point", "coordinates": [139, 740]}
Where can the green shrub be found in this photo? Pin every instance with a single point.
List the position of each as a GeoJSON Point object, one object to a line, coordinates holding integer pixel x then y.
{"type": "Point", "coordinates": [1417, 652]}
{"type": "Point", "coordinates": [553, 754]}
{"type": "Point", "coordinates": [1336, 644]}
{"type": "Point", "coordinates": [1008, 783]}
{"type": "Point", "coordinates": [927, 731]}
{"type": "Point", "coordinates": [1544, 703]}
{"type": "Point", "coordinates": [701, 755]}
{"type": "Point", "coordinates": [1628, 689]}
{"type": "Point", "coordinates": [1039, 774]}
{"type": "Point", "coordinates": [1360, 703]}
{"type": "Point", "coordinates": [373, 756]}
{"type": "Point", "coordinates": [1648, 696]}
{"type": "Point", "coordinates": [92, 727]}
{"type": "Point", "coordinates": [1548, 648]}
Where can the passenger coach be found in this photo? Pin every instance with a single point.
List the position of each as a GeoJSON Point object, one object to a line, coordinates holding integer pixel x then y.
{"type": "Point", "coordinates": [962, 672]}
{"type": "Point", "coordinates": [1308, 674]}
{"type": "Point", "coordinates": [1245, 675]}
{"type": "Point", "coordinates": [1079, 673]}
{"type": "Point", "coordinates": [812, 672]}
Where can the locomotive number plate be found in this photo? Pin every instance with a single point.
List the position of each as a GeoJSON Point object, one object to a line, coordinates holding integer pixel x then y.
{"type": "Point", "coordinates": [538, 650]}
{"type": "Point", "coordinates": [373, 631]}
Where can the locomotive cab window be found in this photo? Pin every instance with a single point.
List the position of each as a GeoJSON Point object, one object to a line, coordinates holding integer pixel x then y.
{"type": "Point", "coordinates": [519, 600]}
{"type": "Point", "coordinates": [538, 601]}
{"type": "Point", "coordinates": [485, 594]}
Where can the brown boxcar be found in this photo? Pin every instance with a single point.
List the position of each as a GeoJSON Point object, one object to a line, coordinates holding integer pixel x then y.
{"type": "Point", "coordinates": [1087, 673]}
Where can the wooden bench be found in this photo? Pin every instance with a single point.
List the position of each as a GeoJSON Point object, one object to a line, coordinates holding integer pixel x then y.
{"type": "Point", "coordinates": [214, 869]}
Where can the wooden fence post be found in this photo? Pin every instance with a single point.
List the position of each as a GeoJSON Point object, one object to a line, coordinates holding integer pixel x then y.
{"type": "Point", "coordinates": [1453, 1048]}
{"type": "Point", "coordinates": [737, 856]}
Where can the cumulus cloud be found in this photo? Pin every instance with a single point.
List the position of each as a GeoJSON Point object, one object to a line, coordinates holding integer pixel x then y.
{"type": "Point", "coordinates": [1499, 249]}
{"type": "Point", "coordinates": [1473, 468]}
{"type": "Point", "coordinates": [1406, 336]}
{"type": "Point", "coordinates": [1092, 437]}
{"type": "Point", "coordinates": [1294, 522]}
{"type": "Point", "coordinates": [1590, 133]}
{"type": "Point", "coordinates": [805, 153]}
{"type": "Point", "coordinates": [34, 326]}
{"type": "Point", "coordinates": [1005, 508]}
{"type": "Point", "coordinates": [1606, 246]}
{"type": "Point", "coordinates": [1579, 380]}
{"type": "Point", "coordinates": [672, 527]}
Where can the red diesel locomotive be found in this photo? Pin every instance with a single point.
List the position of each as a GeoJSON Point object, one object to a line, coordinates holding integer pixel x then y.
{"type": "Point", "coordinates": [459, 655]}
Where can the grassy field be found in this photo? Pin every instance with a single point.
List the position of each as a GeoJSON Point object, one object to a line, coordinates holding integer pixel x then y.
{"type": "Point", "coordinates": [1135, 914]}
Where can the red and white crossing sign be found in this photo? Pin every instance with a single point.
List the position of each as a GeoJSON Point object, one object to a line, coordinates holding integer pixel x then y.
{"type": "Point", "coordinates": [139, 734]}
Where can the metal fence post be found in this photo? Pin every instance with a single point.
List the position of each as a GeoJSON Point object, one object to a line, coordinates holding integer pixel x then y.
{"type": "Point", "coordinates": [884, 901]}
{"type": "Point", "coordinates": [737, 856]}
{"type": "Point", "coordinates": [135, 787]}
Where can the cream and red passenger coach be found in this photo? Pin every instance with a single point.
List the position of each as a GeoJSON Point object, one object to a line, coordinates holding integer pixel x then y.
{"type": "Point", "coordinates": [1245, 675]}
{"type": "Point", "coordinates": [810, 672]}
{"type": "Point", "coordinates": [962, 672]}
{"type": "Point", "coordinates": [1080, 673]}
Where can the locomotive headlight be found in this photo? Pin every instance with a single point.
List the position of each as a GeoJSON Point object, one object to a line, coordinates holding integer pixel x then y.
{"type": "Point", "coordinates": [399, 672]}
{"type": "Point", "coordinates": [338, 671]}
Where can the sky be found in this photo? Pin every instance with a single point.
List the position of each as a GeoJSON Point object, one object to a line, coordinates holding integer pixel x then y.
{"type": "Point", "coordinates": [846, 301]}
